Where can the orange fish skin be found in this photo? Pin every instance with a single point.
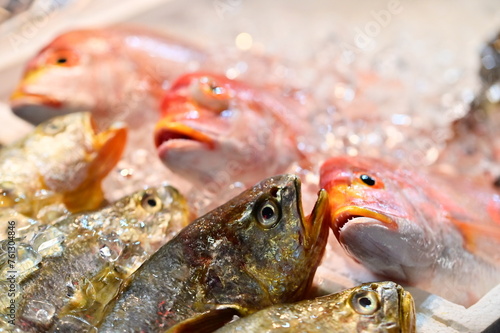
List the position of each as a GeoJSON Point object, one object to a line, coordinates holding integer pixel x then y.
{"type": "Point", "coordinates": [117, 73]}
{"type": "Point", "coordinates": [431, 232]}
{"type": "Point", "coordinates": [216, 131]}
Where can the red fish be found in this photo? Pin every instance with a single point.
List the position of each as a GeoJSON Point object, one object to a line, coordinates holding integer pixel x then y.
{"type": "Point", "coordinates": [216, 131]}
{"type": "Point", "coordinates": [117, 73]}
{"type": "Point", "coordinates": [441, 235]}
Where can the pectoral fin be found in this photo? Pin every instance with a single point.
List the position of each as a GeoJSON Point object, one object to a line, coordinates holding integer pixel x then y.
{"type": "Point", "coordinates": [205, 322]}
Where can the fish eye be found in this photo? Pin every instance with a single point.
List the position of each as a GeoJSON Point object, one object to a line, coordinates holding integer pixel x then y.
{"type": "Point", "coordinates": [151, 202]}
{"type": "Point", "coordinates": [53, 127]}
{"type": "Point", "coordinates": [365, 302]}
{"type": "Point", "coordinates": [210, 94]}
{"type": "Point", "coordinates": [62, 58]}
{"type": "Point", "coordinates": [268, 213]}
{"type": "Point", "coordinates": [367, 180]}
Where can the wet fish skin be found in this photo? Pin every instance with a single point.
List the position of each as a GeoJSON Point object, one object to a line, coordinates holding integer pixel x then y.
{"type": "Point", "coordinates": [129, 64]}
{"type": "Point", "coordinates": [100, 250]}
{"type": "Point", "coordinates": [436, 233]}
{"type": "Point", "coordinates": [217, 131]}
{"type": "Point", "coordinates": [371, 307]}
{"type": "Point", "coordinates": [62, 161]}
{"type": "Point", "coordinates": [228, 260]}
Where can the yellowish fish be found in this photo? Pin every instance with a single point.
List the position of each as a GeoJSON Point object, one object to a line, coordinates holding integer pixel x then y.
{"type": "Point", "coordinates": [62, 161]}
{"type": "Point", "coordinates": [372, 307]}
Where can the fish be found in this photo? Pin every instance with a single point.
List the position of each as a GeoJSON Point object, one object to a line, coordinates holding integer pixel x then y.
{"type": "Point", "coordinates": [74, 267]}
{"type": "Point", "coordinates": [253, 251]}
{"type": "Point", "coordinates": [370, 307]}
{"type": "Point", "coordinates": [420, 229]}
{"type": "Point", "coordinates": [61, 162]}
{"type": "Point", "coordinates": [215, 131]}
{"type": "Point", "coordinates": [130, 65]}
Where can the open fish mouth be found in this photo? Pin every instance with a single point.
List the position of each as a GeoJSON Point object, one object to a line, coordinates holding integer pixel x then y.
{"type": "Point", "coordinates": [406, 311]}
{"type": "Point", "coordinates": [20, 98]}
{"type": "Point", "coordinates": [167, 131]}
{"type": "Point", "coordinates": [315, 224]}
{"type": "Point", "coordinates": [344, 215]}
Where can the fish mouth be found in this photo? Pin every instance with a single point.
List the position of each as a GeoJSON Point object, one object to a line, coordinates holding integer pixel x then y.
{"type": "Point", "coordinates": [108, 146]}
{"type": "Point", "coordinates": [170, 134]}
{"type": "Point", "coordinates": [315, 225]}
{"type": "Point", "coordinates": [35, 108]}
{"type": "Point", "coordinates": [406, 311]}
{"type": "Point", "coordinates": [346, 214]}
{"type": "Point", "coordinates": [20, 98]}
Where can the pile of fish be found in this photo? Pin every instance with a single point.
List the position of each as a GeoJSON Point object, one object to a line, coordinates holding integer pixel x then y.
{"type": "Point", "coordinates": [108, 102]}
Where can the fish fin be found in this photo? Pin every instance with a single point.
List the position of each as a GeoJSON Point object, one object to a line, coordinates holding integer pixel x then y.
{"type": "Point", "coordinates": [205, 322]}
{"type": "Point", "coordinates": [87, 197]}
{"type": "Point", "coordinates": [481, 240]}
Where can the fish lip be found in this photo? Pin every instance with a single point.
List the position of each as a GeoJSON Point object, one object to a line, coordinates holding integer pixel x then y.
{"type": "Point", "coordinates": [167, 131]}
{"type": "Point", "coordinates": [315, 223]}
{"type": "Point", "coordinates": [344, 214]}
{"type": "Point", "coordinates": [406, 311]}
{"type": "Point", "coordinates": [20, 98]}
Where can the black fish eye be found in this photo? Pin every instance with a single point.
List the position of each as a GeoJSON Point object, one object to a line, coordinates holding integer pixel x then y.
{"type": "Point", "coordinates": [61, 60]}
{"type": "Point", "coordinates": [365, 302]}
{"type": "Point", "coordinates": [151, 202]}
{"type": "Point", "coordinates": [53, 127]}
{"type": "Point", "coordinates": [268, 213]}
{"type": "Point", "coordinates": [367, 180]}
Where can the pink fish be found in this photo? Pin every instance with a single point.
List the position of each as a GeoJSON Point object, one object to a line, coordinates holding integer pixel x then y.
{"type": "Point", "coordinates": [216, 131]}
{"type": "Point", "coordinates": [117, 73]}
{"type": "Point", "coordinates": [439, 234]}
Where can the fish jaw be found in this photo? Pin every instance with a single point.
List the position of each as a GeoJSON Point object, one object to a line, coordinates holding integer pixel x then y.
{"type": "Point", "coordinates": [386, 251]}
{"type": "Point", "coordinates": [176, 135]}
{"type": "Point", "coordinates": [316, 226]}
{"type": "Point", "coordinates": [108, 147]}
{"type": "Point", "coordinates": [406, 311]}
{"type": "Point", "coordinates": [343, 215]}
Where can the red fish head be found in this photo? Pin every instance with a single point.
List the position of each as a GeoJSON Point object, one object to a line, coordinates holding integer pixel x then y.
{"type": "Point", "coordinates": [77, 71]}
{"type": "Point", "coordinates": [373, 218]}
{"type": "Point", "coordinates": [219, 130]}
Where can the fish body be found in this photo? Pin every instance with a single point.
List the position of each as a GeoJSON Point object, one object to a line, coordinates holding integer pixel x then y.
{"type": "Point", "coordinates": [216, 131]}
{"type": "Point", "coordinates": [254, 251]}
{"type": "Point", "coordinates": [438, 234]}
{"type": "Point", "coordinates": [85, 258]}
{"type": "Point", "coordinates": [371, 307]}
{"type": "Point", "coordinates": [62, 161]}
{"type": "Point", "coordinates": [129, 65]}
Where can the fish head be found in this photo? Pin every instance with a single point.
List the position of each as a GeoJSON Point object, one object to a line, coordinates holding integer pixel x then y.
{"type": "Point", "coordinates": [379, 216]}
{"type": "Point", "coordinates": [375, 307]}
{"type": "Point", "coordinates": [161, 211]}
{"type": "Point", "coordinates": [75, 72]}
{"type": "Point", "coordinates": [280, 248]}
{"type": "Point", "coordinates": [214, 129]}
{"type": "Point", "coordinates": [72, 157]}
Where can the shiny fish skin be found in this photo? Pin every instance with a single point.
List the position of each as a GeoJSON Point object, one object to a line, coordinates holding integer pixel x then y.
{"type": "Point", "coordinates": [437, 233]}
{"type": "Point", "coordinates": [381, 307]}
{"type": "Point", "coordinates": [98, 252]}
{"type": "Point", "coordinates": [62, 161]}
{"type": "Point", "coordinates": [217, 131]}
{"type": "Point", "coordinates": [129, 64]}
{"type": "Point", "coordinates": [254, 251]}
